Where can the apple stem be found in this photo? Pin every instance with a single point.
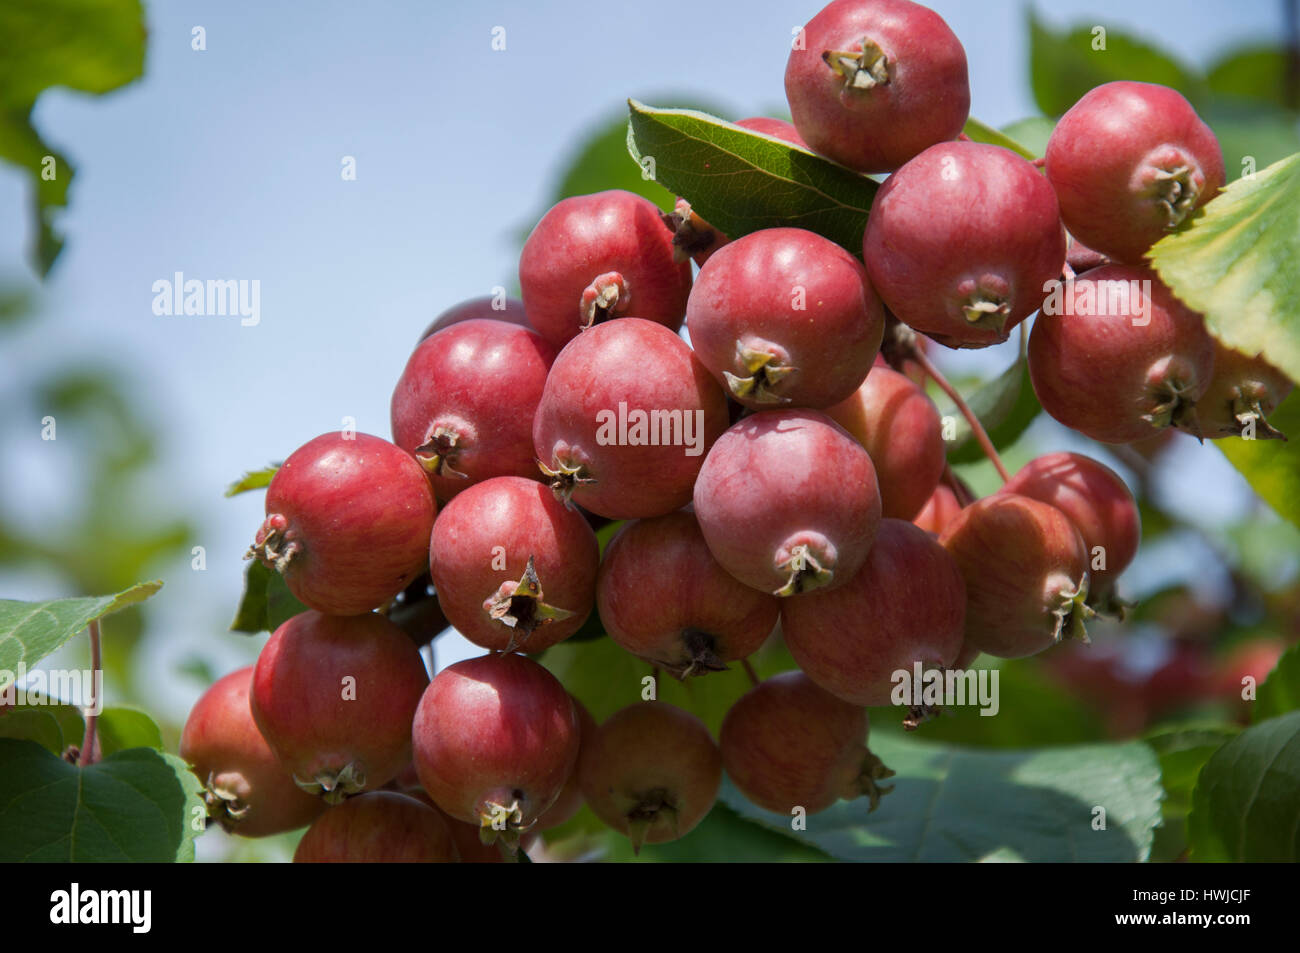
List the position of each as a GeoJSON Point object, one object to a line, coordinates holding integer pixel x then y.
{"type": "Point", "coordinates": [88, 742]}
{"type": "Point", "coordinates": [976, 427]}
{"type": "Point", "coordinates": [1038, 163]}
{"type": "Point", "coordinates": [749, 670]}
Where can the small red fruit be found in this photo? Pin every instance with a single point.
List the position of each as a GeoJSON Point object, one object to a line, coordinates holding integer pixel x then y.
{"type": "Point", "coordinates": [1242, 393]}
{"type": "Point", "coordinates": [789, 745]}
{"type": "Point", "coordinates": [788, 502]}
{"type": "Point", "coordinates": [875, 82]}
{"type": "Point", "coordinates": [961, 241]}
{"type": "Point", "coordinates": [1115, 356]}
{"type": "Point", "coordinates": [513, 566]}
{"type": "Point", "coordinates": [626, 418]}
{"type": "Point", "coordinates": [906, 605]}
{"type": "Point", "coordinates": [940, 509]}
{"type": "Point", "coordinates": [465, 402]}
{"type": "Point", "coordinates": [653, 773]}
{"type": "Point", "coordinates": [1097, 502]}
{"type": "Point", "coordinates": [711, 618]}
{"type": "Point", "coordinates": [492, 307]}
{"type": "Point", "coordinates": [900, 429]}
{"type": "Point", "coordinates": [601, 256]}
{"type": "Point", "coordinates": [348, 518]}
{"type": "Point", "coordinates": [246, 789]}
{"type": "Point", "coordinates": [1026, 573]}
{"type": "Point", "coordinates": [570, 799]}
{"type": "Point", "coordinates": [334, 697]}
{"type": "Point", "coordinates": [784, 316]}
{"type": "Point", "coordinates": [495, 738]}
{"type": "Point", "coordinates": [1130, 162]}
{"type": "Point", "coordinates": [378, 827]}
{"type": "Point", "coordinates": [776, 128]}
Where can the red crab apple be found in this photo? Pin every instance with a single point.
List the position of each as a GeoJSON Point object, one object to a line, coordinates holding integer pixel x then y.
{"type": "Point", "coordinates": [783, 316]}
{"type": "Point", "coordinates": [246, 789]}
{"type": "Point", "coordinates": [710, 619]}
{"type": "Point", "coordinates": [513, 566]}
{"type": "Point", "coordinates": [465, 402]}
{"type": "Point", "coordinates": [334, 697]}
{"type": "Point", "coordinates": [1242, 393]}
{"type": "Point", "coordinates": [1026, 572]}
{"type": "Point", "coordinates": [853, 640]}
{"type": "Point", "coordinates": [1115, 356]}
{"type": "Point", "coordinates": [789, 746]}
{"type": "Point", "coordinates": [1130, 162]}
{"type": "Point", "coordinates": [378, 827]}
{"type": "Point", "coordinates": [900, 429]}
{"type": "Point", "coordinates": [601, 256]}
{"type": "Point", "coordinates": [495, 738]}
{"type": "Point", "coordinates": [961, 242]}
{"type": "Point", "coordinates": [348, 518]}
{"type": "Point", "coordinates": [626, 418]}
{"type": "Point", "coordinates": [570, 799]}
{"type": "Point", "coordinates": [788, 502]}
{"type": "Point", "coordinates": [653, 773]}
{"type": "Point", "coordinates": [874, 82]}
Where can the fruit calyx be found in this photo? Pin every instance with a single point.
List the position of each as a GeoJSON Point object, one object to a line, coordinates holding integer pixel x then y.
{"type": "Point", "coordinates": [702, 656]}
{"type": "Point", "coordinates": [805, 572]}
{"type": "Point", "coordinates": [272, 544]}
{"type": "Point", "coordinates": [767, 370]}
{"type": "Point", "coordinates": [862, 69]}
{"type": "Point", "coordinates": [985, 303]}
{"type": "Point", "coordinates": [650, 807]}
{"type": "Point", "coordinates": [1172, 408]}
{"type": "Point", "coordinates": [691, 234]}
{"type": "Point", "coordinates": [565, 478]}
{"type": "Point", "coordinates": [865, 783]}
{"type": "Point", "coordinates": [438, 452]}
{"type": "Point", "coordinates": [519, 605]}
{"type": "Point", "coordinates": [334, 787]}
{"type": "Point", "coordinates": [224, 805]}
{"type": "Point", "coordinates": [500, 822]}
{"type": "Point", "coordinates": [1069, 607]}
{"type": "Point", "coordinates": [1248, 410]}
{"type": "Point", "coordinates": [607, 296]}
{"type": "Point", "coordinates": [1173, 180]}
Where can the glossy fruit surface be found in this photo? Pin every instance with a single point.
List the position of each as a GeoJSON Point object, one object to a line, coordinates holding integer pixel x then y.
{"type": "Point", "coordinates": [874, 82]}
{"type": "Point", "coordinates": [710, 619]}
{"type": "Point", "coordinates": [348, 518]}
{"type": "Point", "coordinates": [961, 240]}
{"type": "Point", "coordinates": [465, 402]}
{"type": "Point", "coordinates": [513, 567]}
{"type": "Point", "coordinates": [378, 827]}
{"type": "Point", "coordinates": [783, 316]}
{"type": "Point", "coordinates": [788, 502]}
{"type": "Point", "coordinates": [570, 801]}
{"type": "Point", "coordinates": [334, 697]}
{"type": "Point", "coordinates": [626, 418]}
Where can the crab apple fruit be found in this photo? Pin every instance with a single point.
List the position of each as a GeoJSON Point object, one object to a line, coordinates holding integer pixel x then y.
{"type": "Point", "coordinates": [1115, 356]}
{"type": "Point", "coordinates": [653, 773]}
{"type": "Point", "coordinates": [334, 697]}
{"type": "Point", "coordinates": [348, 518]}
{"type": "Point", "coordinates": [625, 420]}
{"type": "Point", "coordinates": [961, 242]}
{"type": "Point", "coordinates": [875, 82]}
{"type": "Point", "coordinates": [378, 827]}
{"type": "Point", "coordinates": [1081, 258]}
{"type": "Point", "coordinates": [1097, 502]}
{"type": "Point", "coordinates": [783, 316]}
{"type": "Point", "coordinates": [899, 427]}
{"type": "Point", "coordinates": [246, 789]}
{"type": "Point", "coordinates": [1243, 391]}
{"type": "Point", "coordinates": [907, 604]}
{"type": "Point", "coordinates": [788, 502]}
{"type": "Point", "coordinates": [1129, 163]}
{"type": "Point", "coordinates": [465, 402]}
{"type": "Point", "coordinates": [939, 510]}
{"type": "Point", "coordinates": [495, 738]}
{"type": "Point", "coordinates": [600, 256]}
{"type": "Point", "coordinates": [513, 566]}
{"type": "Point", "coordinates": [492, 307]}
{"type": "Point", "coordinates": [711, 619]}
{"type": "Point", "coordinates": [1026, 572]}
{"type": "Point", "coordinates": [570, 801]}
{"type": "Point", "coordinates": [789, 744]}
{"type": "Point", "coordinates": [776, 128]}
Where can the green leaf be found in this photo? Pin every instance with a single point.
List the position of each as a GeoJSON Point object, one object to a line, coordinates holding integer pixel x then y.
{"type": "Point", "coordinates": [1006, 406]}
{"type": "Point", "coordinates": [120, 729]}
{"type": "Point", "coordinates": [979, 132]}
{"type": "Point", "coordinates": [722, 837]}
{"type": "Point", "coordinates": [1280, 692]}
{"type": "Point", "coordinates": [29, 631]}
{"type": "Point", "coordinates": [1065, 65]}
{"type": "Point", "coordinates": [266, 603]}
{"type": "Point", "coordinates": [956, 804]}
{"type": "Point", "coordinates": [739, 181]}
{"type": "Point", "coordinates": [1245, 807]}
{"type": "Point", "coordinates": [1256, 72]}
{"type": "Point", "coordinates": [137, 805]}
{"type": "Point", "coordinates": [91, 46]}
{"type": "Point", "coordinates": [1239, 265]}
{"type": "Point", "coordinates": [1271, 467]}
{"type": "Point", "coordinates": [53, 727]}
{"type": "Point", "coordinates": [253, 480]}
{"type": "Point", "coordinates": [1032, 132]}
{"type": "Point", "coordinates": [1183, 751]}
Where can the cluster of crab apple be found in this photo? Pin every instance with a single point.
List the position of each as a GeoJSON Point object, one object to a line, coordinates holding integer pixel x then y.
{"type": "Point", "coordinates": [774, 471]}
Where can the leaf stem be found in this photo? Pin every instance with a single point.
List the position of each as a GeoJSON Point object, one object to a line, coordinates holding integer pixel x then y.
{"type": "Point", "coordinates": [88, 742]}
{"type": "Point", "coordinates": [749, 670]}
{"type": "Point", "coordinates": [975, 426]}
